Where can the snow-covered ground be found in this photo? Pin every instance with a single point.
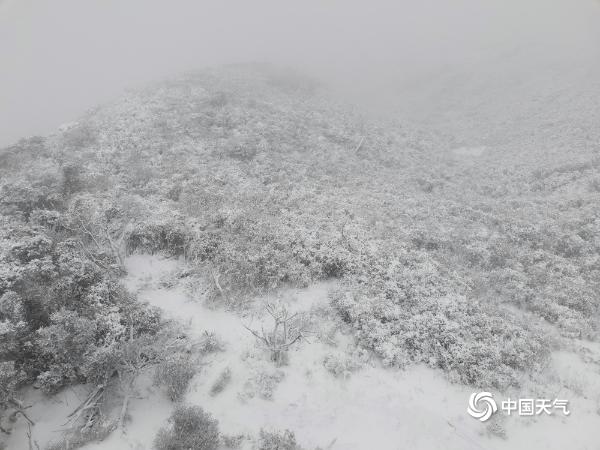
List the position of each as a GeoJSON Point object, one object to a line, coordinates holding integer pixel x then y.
{"type": "Point", "coordinates": [469, 151]}
{"type": "Point", "coordinates": [370, 407]}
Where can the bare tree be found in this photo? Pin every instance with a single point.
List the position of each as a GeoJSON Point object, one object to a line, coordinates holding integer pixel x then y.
{"type": "Point", "coordinates": [104, 239]}
{"type": "Point", "coordinates": [102, 227]}
{"type": "Point", "coordinates": [287, 330]}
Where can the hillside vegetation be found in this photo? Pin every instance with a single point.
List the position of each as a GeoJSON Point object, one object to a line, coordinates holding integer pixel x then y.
{"type": "Point", "coordinates": [476, 261]}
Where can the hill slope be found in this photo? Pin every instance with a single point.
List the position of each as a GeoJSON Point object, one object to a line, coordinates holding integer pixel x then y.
{"type": "Point", "coordinates": [474, 260]}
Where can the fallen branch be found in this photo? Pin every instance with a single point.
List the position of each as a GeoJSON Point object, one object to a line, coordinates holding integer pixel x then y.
{"type": "Point", "coordinates": [33, 445]}
{"type": "Point", "coordinates": [215, 277]}
{"type": "Point", "coordinates": [362, 139]}
{"type": "Point", "coordinates": [121, 423]}
{"type": "Point", "coordinates": [331, 444]}
{"type": "Point", "coordinates": [19, 409]}
{"type": "Point", "coordinates": [90, 402]}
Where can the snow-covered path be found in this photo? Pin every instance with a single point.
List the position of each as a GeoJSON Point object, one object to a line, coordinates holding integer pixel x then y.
{"type": "Point", "coordinates": [371, 408]}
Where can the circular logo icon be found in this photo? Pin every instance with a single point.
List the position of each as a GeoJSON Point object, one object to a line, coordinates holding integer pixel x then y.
{"type": "Point", "coordinates": [482, 405]}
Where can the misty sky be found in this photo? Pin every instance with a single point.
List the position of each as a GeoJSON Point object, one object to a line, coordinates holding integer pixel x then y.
{"type": "Point", "coordinates": [61, 57]}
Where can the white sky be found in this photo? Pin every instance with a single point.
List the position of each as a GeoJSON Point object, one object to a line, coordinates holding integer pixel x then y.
{"type": "Point", "coordinates": [61, 57]}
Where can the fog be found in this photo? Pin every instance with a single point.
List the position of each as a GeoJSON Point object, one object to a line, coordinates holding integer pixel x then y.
{"type": "Point", "coordinates": [61, 57]}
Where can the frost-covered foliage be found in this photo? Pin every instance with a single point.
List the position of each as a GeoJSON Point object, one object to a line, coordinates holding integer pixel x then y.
{"type": "Point", "coordinates": [406, 311]}
{"type": "Point", "coordinates": [262, 384]}
{"type": "Point", "coordinates": [468, 263]}
{"type": "Point", "coordinates": [233, 441]}
{"type": "Point", "coordinates": [61, 305]}
{"type": "Point", "coordinates": [175, 374]}
{"type": "Point", "coordinates": [277, 440]}
{"type": "Point", "coordinates": [210, 343]}
{"type": "Point", "coordinates": [342, 364]}
{"type": "Point", "coordinates": [189, 428]}
{"type": "Point", "coordinates": [168, 235]}
{"type": "Point", "coordinates": [64, 316]}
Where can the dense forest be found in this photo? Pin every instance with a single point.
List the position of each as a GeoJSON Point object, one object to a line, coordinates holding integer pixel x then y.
{"type": "Point", "coordinates": [477, 261]}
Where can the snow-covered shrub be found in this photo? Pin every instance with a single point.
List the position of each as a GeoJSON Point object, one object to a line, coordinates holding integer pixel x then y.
{"type": "Point", "coordinates": [407, 312]}
{"type": "Point", "coordinates": [218, 99]}
{"type": "Point", "coordinates": [277, 440]}
{"type": "Point", "coordinates": [190, 427]}
{"type": "Point", "coordinates": [73, 180]}
{"type": "Point", "coordinates": [64, 314]}
{"type": "Point", "coordinates": [343, 364]}
{"type": "Point", "coordinates": [496, 426]}
{"type": "Point", "coordinates": [263, 383]}
{"type": "Point", "coordinates": [211, 343]}
{"type": "Point", "coordinates": [31, 249]}
{"type": "Point", "coordinates": [167, 235]}
{"type": "Point", "coordinates": [80, 136]}
{"type": "Point", "coordinates": [67, 341]}
{"type": "Point", "coordinates": [175, 374]}
{"type": "Point", "coordinates": [233, 441]}
{"type": "Point", "coordinates": [249, 252]}
{"type": "Point", "coordinates": [37, 187]}
{"type": "Point", "coordinates": [9, 381]}
{"type": "Point", "coordinates": [221, 382]}
{"type": "Point", "coordinates": [266, 382]}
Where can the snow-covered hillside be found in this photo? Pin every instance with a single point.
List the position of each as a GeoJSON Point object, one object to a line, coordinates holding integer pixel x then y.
{"type": "Point", "coordinates": [404, 269]}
